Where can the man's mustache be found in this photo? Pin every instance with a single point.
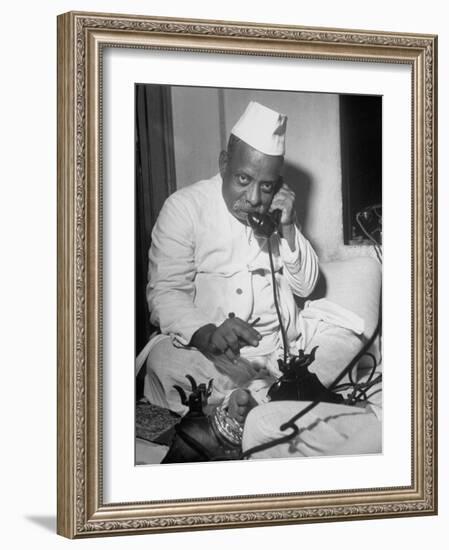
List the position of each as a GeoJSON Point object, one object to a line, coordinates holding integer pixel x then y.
{"type": "Point", "coordinates": [246, 208]}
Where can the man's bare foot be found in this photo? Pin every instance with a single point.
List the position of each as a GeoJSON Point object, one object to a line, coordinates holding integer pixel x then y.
{"type": "Point", "coordinates": [240, 403]}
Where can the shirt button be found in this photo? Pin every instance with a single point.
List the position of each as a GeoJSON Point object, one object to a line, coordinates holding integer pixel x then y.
{"type": "Point", "coordinates": [239, 291]}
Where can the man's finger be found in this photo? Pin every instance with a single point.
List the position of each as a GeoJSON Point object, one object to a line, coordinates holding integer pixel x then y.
{"type": "Point", "coordinates": [221, 344]}
{"type": "Point", "coordinates": [232, 340]}
{"type": "Point", "coordinates": [282, 200]}
{"type": "Point", "coordinates": [247, 334]}
{"type": "Point", "coordinates": [243, 325]}
{"type": "Point", "coordinates": [283, 193]}
{"type": "Point", "coordinates": [230, 354]}
{"type": "Point", "coordinates": [218, 342]}
{"type": "Point", "coordinates": [287, 188]}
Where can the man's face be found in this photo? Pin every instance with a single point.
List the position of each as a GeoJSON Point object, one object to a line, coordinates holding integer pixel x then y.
{"type": "Point", "coordinates": [250, 179]}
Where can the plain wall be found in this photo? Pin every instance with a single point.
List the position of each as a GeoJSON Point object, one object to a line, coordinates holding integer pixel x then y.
{"type": "Point", "coordinates": [28, 276]}
{"type": "Point", "coordinates": [196, 133]}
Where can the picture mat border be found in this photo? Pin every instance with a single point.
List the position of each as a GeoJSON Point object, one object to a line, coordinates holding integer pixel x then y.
{"type": "Point", "coordinates": [81, 511]}
{"type": "Point", "coordinates": [392, 468]}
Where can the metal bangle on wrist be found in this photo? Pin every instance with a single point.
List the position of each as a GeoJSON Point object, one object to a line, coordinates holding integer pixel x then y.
{"type": "Point", "coordinates": [226, 428]}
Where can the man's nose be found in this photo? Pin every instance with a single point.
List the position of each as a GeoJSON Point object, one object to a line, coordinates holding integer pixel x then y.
{"type": "Point", "coordinates": [253, 194]}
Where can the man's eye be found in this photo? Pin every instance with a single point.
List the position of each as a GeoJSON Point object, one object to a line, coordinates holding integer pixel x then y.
{"type": "Point", "coordinates": [267, 187]}
{"type": "Point", "coordinates": [243, 179]}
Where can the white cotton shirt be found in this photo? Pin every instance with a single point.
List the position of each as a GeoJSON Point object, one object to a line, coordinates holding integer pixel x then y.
{"type": "Point", "coordinates": [205, 264]}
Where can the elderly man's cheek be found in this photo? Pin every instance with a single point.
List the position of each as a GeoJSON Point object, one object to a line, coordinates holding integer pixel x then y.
{"type": "Point", "coordinates": [266, 203]}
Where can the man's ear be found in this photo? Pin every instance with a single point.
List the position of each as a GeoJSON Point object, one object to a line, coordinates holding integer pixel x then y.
{"type": "Point", "coordinates": [223, 162]}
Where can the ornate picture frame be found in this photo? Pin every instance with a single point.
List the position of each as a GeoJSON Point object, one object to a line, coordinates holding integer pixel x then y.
{"type": "Point", "coordinates": [82, 40]}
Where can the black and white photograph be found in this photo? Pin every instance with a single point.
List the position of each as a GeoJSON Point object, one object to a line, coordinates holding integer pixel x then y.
{"type": "Point", "coordinates": [223, 237]}
{"type": "Point", "coordinates": [258, 274]}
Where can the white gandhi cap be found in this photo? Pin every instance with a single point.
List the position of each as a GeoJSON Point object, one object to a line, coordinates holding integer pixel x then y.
{"type": "Point", "coordinates": [262, 128]}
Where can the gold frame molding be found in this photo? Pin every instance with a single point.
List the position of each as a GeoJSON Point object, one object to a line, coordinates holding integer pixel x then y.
{"type": "Point", "coordinates": [81, 38]}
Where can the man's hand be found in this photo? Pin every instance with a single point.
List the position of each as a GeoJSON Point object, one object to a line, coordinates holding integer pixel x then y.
{"type": "Point", "coordinates": [284, 200]}
{"type": "Point", "coordinates": [228, 338]}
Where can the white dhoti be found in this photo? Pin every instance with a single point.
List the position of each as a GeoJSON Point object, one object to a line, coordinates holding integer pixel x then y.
{"type": "Point", "coordinates": [324, 325]}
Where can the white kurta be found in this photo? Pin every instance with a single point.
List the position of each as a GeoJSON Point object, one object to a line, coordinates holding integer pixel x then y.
{"type": "Point", "coordinates": [204, 264]}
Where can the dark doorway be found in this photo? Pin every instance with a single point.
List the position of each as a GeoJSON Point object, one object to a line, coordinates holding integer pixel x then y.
{"type": "Point", "coordinates": [361, 154]}
{"type": "Point", "coordinates": [155, 180]}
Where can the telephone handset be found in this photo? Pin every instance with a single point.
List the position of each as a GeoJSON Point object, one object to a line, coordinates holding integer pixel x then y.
{"type": "Point", "coordinates": [264, 225]}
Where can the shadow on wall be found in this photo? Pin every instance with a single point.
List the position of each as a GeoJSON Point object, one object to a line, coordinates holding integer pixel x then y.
{"type": "Point", "coordinates": [300, 182]}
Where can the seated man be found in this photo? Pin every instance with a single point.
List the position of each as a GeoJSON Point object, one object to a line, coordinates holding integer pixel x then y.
{"type": "Point", "coordinates": [210, 287]}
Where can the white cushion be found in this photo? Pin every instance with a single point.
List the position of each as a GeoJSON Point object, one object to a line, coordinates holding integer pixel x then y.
{"type": "Point", "coordinates": [355, 284]}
